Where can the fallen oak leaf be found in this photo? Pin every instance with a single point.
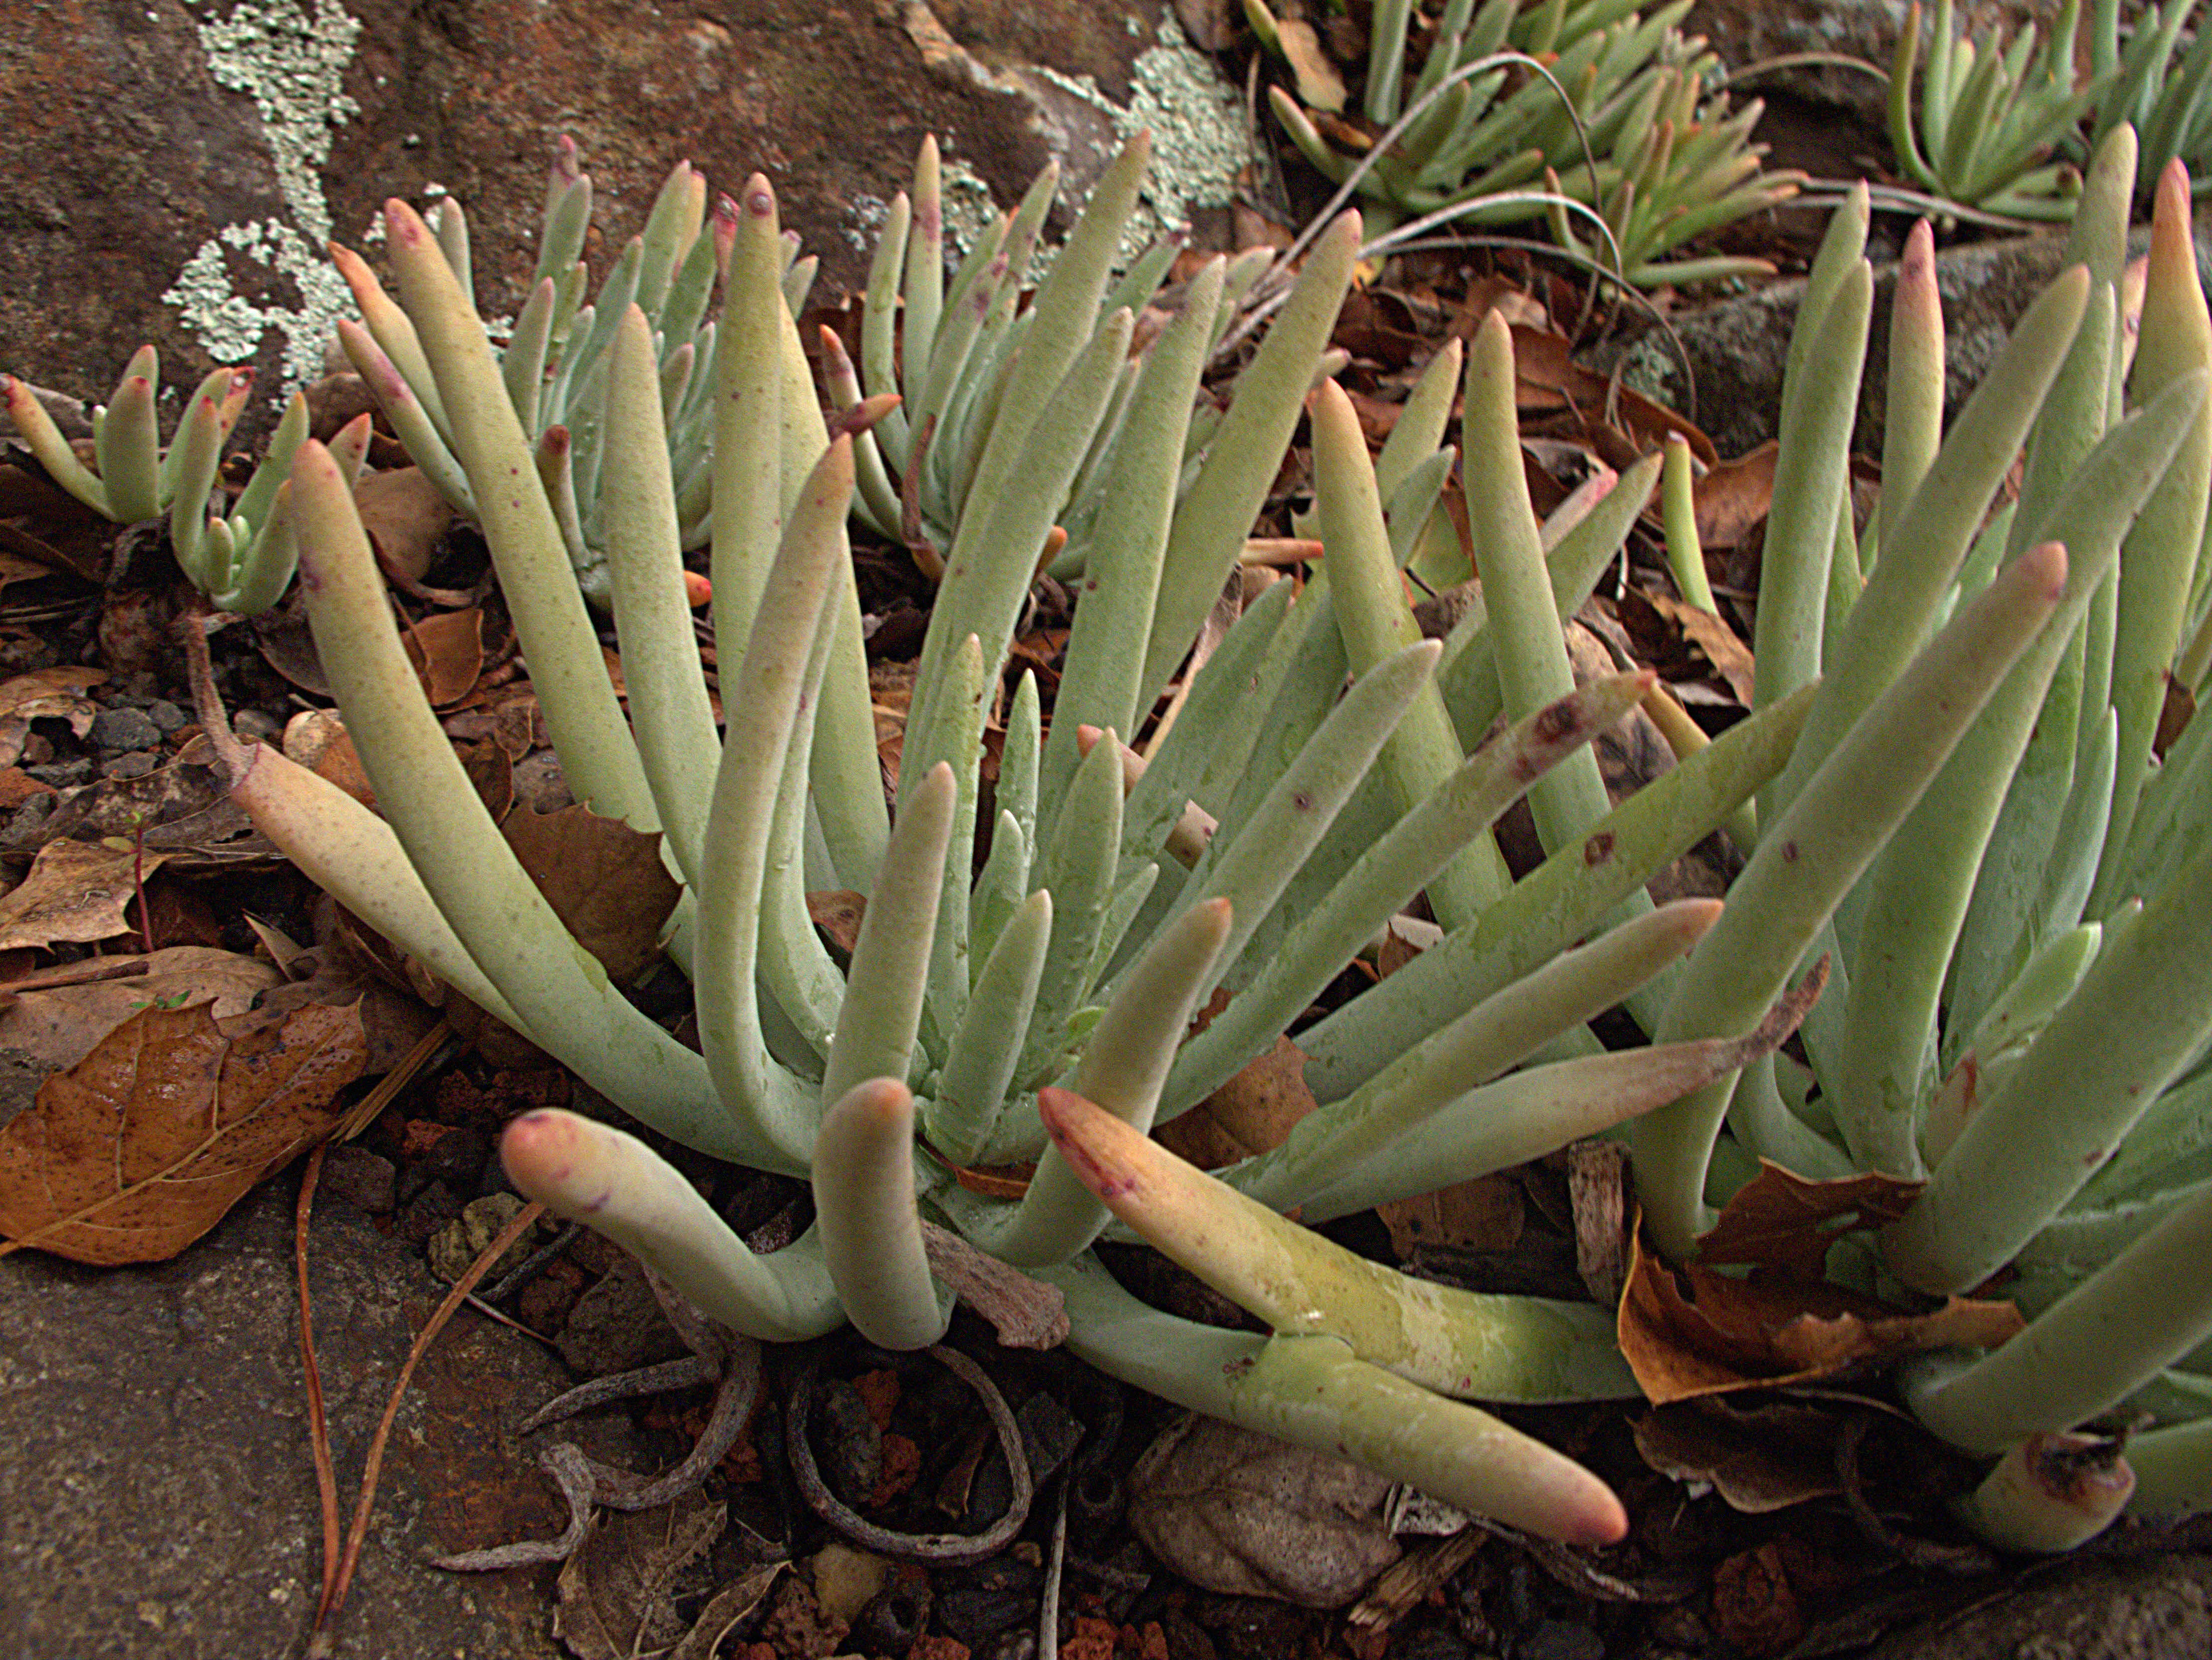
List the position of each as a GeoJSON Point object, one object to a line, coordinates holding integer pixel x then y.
{"type": "Point", "coordinates": [58, 693]}
{"type": "Point", "coordinates": [75, 890]}
{"type": "Point", "coordinates": [1782, 1220]}
{"type": "Point", "coordinates": [604, 881]}
{"type": "Point", "coordinates": [446, 648]}
{"type": "Point", "coordinates": [1730, 657]}
{"type": "Point", "coordinates": [145, 1144]}
{"type": "Point", "coordinates": [61, 1025]}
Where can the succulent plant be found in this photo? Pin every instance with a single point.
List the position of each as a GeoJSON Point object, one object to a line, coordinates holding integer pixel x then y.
{"type": "Point", "coordinates": [2157, 86]}
{"type": "Point", "coordinates": [1980, 829]}
{"type": "Point", "coordinates": [1991, 115]}
{"type": "Point", "coordinates": [1041, 1009]}
{"type": "Point", "coordinates": [242, 560]}
{"type": "Point", "coordinates": [555, 361]}
{"type": "Point", "coordinates": [1663, 160]}
{"type": "Point", "coordinates": [950, 351]}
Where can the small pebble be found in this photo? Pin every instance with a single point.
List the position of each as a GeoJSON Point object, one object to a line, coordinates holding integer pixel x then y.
{"type": "Point", "coordinates": [455, 1247]}
{"type": "Point", "coordinates": [64, 774]}
{"type": "Point", "coordinates": [845, 1579]}
{"type": "Point", "coordinates": [362, 1178]}
{"type": "Point", "coordinates": [252, 723]}
{"type": "Point", "coordinates": [125, 729]}
{"type": "Point", "coordinates": [132, 763]}
{"type": "Point", "coordinates": [167, 717]}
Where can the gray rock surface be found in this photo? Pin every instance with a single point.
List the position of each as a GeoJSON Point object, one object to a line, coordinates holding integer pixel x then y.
{"type": "Point", "coordinates": [157, 1496]}
{"type": "Point", "coordinates": [170, 171]}
{"type": "Point", "coordinates": [2142, 1607]}
{"type": "Point", "coordinates": [1749, 31]}
{"type": "Point", "coordinates": [1736, 348]}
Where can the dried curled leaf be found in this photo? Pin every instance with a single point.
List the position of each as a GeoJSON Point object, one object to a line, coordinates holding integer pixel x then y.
{"type": "Point", "coordinates": [1782, 1220]}
{"type": "Point", "coordinates": [1690, 1331]}
{"type": "Point", "coordinates": [143, 1146]}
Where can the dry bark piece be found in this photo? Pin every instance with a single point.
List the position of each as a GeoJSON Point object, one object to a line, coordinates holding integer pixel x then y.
{"type": "Point", "coordinates": [1242, 1513]}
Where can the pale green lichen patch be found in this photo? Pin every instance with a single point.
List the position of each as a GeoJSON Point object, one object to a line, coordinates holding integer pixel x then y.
{"type": "Point", "coordinates": [1199, 140]}
{"type": "Point", "coordinates": [290, 57]}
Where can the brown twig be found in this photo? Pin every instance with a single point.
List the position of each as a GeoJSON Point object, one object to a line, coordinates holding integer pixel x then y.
{"type": "Point", "coordinates": [319, 1426]}
{"type": "Point", "coordinates": [950, 1549]}
{"type": "Point", "coordinates": [319, 1644]}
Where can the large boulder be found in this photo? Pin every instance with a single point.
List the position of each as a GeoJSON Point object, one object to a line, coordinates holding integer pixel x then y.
{"type": "Point", "coordinates": [170, 171]}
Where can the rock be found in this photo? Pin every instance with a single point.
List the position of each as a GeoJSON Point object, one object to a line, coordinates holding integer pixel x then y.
{"type": "Point", "coordinates": [359, 1177]}
{"type": "Point", "coordinates": [1239, 1512]}
{"type": "Point", "coordinates": [2135, 1608]}
{"type": "Point", "coordinates": [1744, 32]}
{"type": "Point", "coordinates": [171, 172]}
{"type": "Point", "coordinates": [845, 1580]}
{"type": "Point", "coordinates": [1736, 348]}
{"type": "Point", "coordinates": [125, 728]}
{"type": "Point", "coordinates": [455, 1247]}
{"type": "Point", "coordinates": [617, 1326]}
{"type": "Point", "coordinates": [157, 1496]}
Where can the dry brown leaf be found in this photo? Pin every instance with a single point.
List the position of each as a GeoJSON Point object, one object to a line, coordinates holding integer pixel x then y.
{"type": "Point", "coordinates": [1320, 87]}
{"type": "Point", "coordinates": [1760, 1458]}
{"type": "Point", "coordinates": [1690, 1331]}
{"type": "Point", "coordinates": [184, 808]}
{"type": "Point", "coordinates": [56, 693]}
{"type": "Point", "coordinates": [1782, 1220]}
{"type": "Point", "coordinates": [446, 648]}
{"type": "Point", "coordinates": [837, 912]}
{"type": "Point", "coordinates": [618, 1591]}
{"type": "Point", "coordinates": [1732, 499]}
{"type": "Point", "coordinates": [1730, 656]}
{"type": "Point", "coordinates": [318, 740]}
{"type": "Point", "coordinates": [1250, 1114]}
{"type": "Point", "coordinates": [1486, 1213]}
{"type": "Point", "coordinates": [1548, 378]}
{"type": "Point", "coordinates": [63, 1025]}
{"type": "Point", "coordinates": [404, 515]}
{"type": "Point", "coordinates": [604, 880]}
{"type": "Point", "coordinates": [145, 1144]}
{"type": "Point", "coordinates": [75, 890]}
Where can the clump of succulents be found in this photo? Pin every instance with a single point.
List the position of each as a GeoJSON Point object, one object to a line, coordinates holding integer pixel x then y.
{"type": "Point", "coordinates": [1992, 115]}
{"type": "Point", "coordinates": [1517, 113]}
{"type": "Point", "coordinates": [2157, 85]}
{"type": "Point", "coordinates": [2006, 862]}
{"type": "Point", "coordinates": [1041, 1009]}
{"type": "Point", "coordinates": [243, 558]}
{"type": "Point", "coordinates": [555, 362]}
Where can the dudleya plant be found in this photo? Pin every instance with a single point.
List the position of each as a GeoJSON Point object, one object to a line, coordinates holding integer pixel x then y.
{"type": "Point", "coordinates": [556, 360]}
{"type": "Point", "coordinates": [946, 350]}
{"type": "Point", "coordinates": [1615, 119]}
{"type": "Point", "coordinates": [1992, 115]}
{"type": "Point", "coordinates": [2013, 885]}
{"type": "Point", "coordinates": [1042, 1010]}
{"type": "Point", "coordinates": [241, 559]}
{"type": "Point", "coordinates": [2157, 86]}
